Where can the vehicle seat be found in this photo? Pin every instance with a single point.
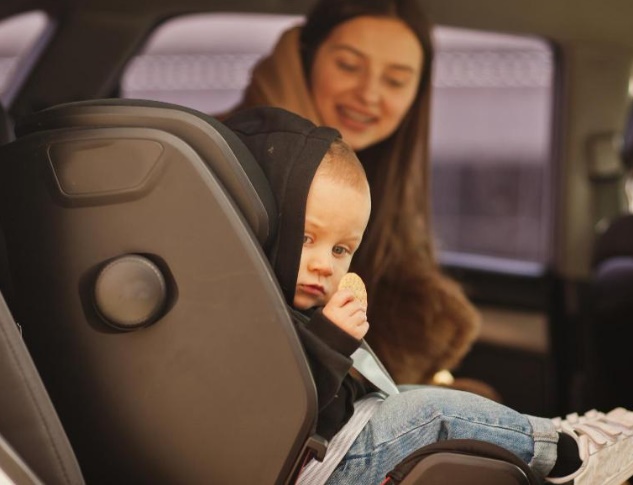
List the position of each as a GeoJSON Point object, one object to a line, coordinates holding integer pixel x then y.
{"type": "Point", "coordinates": [134, 237]}
{"type": "Point", "coordinates": [30, 430]}
{"type": "Point", "coordinates": [146, 300]}
{"type": "Point", "coordinates": [611, 305]}
{"type": "Point", "coordinates": [33, 445]}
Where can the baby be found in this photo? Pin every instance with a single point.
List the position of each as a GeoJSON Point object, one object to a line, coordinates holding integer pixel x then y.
{"type": "Point", "coordinates": [324, 204]}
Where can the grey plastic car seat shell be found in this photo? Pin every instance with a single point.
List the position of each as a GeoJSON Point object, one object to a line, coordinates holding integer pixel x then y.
{"type": "Point", "coordinates": [218, 369]}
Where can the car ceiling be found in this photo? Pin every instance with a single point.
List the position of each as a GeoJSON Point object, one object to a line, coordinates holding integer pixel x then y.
{"type": "Point", "coordinates": [609, 21]}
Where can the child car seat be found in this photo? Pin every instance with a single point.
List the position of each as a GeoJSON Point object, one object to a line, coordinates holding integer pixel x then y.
{"type": "Point", "coordinates": [144, 298]}
{"type": "Point", "coordinates": [134, 233]}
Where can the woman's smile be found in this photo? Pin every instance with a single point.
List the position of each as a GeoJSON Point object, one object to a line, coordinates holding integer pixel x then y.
{"type": "Point", "coordinates": [354, 119]}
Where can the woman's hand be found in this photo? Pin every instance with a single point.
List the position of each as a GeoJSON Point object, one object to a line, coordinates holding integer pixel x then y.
{"type": "Point", "coordinates": [347, 313]}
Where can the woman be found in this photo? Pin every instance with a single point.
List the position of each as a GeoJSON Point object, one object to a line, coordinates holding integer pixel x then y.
{"type": "Point", "coordinates": [364, 67]}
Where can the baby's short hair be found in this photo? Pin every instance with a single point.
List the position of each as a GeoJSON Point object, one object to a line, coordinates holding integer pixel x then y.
{"type": "Point", "coordinates": [341, 164]}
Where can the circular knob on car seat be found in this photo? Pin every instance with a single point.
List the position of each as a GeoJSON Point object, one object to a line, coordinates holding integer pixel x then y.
{"type": "Point", "coordinates": [130, 292]}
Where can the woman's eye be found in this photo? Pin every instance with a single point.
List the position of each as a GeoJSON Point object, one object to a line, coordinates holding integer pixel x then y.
{"type": "Point", "coordinates": [395, 83]}
{"type": "Point", "coordinates": [347, 66]}
{"type": "Point", "coordinates": [306, 239]}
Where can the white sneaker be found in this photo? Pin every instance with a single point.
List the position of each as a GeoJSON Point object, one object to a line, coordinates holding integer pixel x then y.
{"type": "Point", "coordinates": [605, 443]}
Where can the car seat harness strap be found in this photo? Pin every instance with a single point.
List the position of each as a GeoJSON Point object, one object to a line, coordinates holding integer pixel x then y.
{"type": "Point", "coordinates": [368, 364]}
{"type": "Point", "coordinates": [317, 473]}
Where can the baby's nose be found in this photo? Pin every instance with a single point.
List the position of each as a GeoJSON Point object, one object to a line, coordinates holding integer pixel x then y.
{"type": "Point", "coordinates": [322, 265]}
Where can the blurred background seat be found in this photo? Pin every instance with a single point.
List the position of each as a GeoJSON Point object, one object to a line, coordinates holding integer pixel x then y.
{"type": "Point", "coordinates": [610, 329]}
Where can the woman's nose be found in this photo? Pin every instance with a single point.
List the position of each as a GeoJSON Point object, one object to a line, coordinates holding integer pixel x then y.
{"type": "Point", "coordinates": [369, 88]}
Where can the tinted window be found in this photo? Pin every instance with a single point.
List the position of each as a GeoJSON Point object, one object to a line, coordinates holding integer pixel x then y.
{"type": "Point", "coordinates": [18, 35]}
{"type": "Point", "coordinates": [203, 61]}
{"type": "Point", "coordinates": [491, 141]}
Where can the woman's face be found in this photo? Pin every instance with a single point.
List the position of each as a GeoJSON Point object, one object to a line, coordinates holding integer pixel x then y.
{"type": "Point", "coordinates": [365, 77]}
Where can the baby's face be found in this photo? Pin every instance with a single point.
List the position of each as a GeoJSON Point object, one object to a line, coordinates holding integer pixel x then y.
{"type": "Point", "coordinates": [336, 217]}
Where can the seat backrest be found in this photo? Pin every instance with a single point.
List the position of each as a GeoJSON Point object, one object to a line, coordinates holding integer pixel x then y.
{"type": "Point", "coordinates": [33, 444]}
{"type": "Point", "coordinates": [610, 306]}
{"type": "Point", "coordinates": [612, 263]}
{"type": "Point", "coordinates": [29, 425]}
{"type": "Point", "coordinates": [146, 300]}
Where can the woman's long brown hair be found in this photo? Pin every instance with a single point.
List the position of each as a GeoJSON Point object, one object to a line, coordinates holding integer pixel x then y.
{"type": "Point", "coordinates": [398, 237]}
{"type": "Point", "coordinates": [421, 321]}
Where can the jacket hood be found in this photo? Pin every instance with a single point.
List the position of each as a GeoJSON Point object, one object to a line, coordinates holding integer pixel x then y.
{"type": "Point", "coordinates": [289, 149]}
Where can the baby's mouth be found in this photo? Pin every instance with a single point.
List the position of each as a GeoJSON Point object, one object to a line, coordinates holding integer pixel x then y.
{"type": "Point", "coordinates": [314, 290]}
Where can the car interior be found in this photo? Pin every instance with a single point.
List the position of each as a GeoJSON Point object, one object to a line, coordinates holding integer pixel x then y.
{"type": "Point", "coordinates": [99, 191]}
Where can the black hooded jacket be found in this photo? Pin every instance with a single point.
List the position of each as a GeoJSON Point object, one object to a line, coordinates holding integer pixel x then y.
{"type": "Point", "coordinates": [289, 149]}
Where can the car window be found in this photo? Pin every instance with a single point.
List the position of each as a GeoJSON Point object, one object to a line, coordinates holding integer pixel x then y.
{"type": "Point", "coordinates": [18, 36]}
{"type": "Point", "coordinates": [491, 149]}
{"type": "Point", "coordinates": [199, 61]}
{"type": "Point", "coordinates": [490, 127]}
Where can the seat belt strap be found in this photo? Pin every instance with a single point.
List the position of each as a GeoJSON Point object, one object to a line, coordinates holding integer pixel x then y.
{"type": "Point", "coordinates": [316, 472]}
{"type": "Point", "coordinates": [370, 367]}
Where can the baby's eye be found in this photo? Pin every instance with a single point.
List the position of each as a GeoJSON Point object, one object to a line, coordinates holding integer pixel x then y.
{"type": "Point", "coordinates": [340, 250]}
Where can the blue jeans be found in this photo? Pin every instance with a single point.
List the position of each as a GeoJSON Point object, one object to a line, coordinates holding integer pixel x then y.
{"type": "Point", "coordinates": [423, 415]}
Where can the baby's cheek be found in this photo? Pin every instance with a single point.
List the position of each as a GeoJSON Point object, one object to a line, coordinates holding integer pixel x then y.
{"type": "Point", "coordinates": [336, 278]}
{"type": "Point", "coordinates": [328, 296]}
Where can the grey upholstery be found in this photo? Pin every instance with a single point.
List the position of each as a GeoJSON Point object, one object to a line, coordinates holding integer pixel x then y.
{"type": "Point", "coordinates": [29, 424]}
{"type": "Point", "coordinates": [33, 444]}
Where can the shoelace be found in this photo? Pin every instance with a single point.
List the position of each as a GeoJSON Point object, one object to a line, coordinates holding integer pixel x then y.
{"type": "Point", "coordinates": [595, 430]}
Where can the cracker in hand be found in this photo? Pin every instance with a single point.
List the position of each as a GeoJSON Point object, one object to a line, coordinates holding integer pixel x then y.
{"type": "Point", "coordinates": [354, 283]}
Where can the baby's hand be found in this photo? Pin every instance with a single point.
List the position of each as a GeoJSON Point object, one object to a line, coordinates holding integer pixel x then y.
{"type": "Point", "coordinates": [347, 313]}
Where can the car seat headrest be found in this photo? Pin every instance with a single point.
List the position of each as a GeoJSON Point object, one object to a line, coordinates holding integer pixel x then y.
{"type": "Point", "coordinates": [219, 147]}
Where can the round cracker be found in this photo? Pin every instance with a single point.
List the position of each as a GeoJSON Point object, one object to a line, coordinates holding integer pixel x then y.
{"type": "Point", "coordinates": [354, 283]}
